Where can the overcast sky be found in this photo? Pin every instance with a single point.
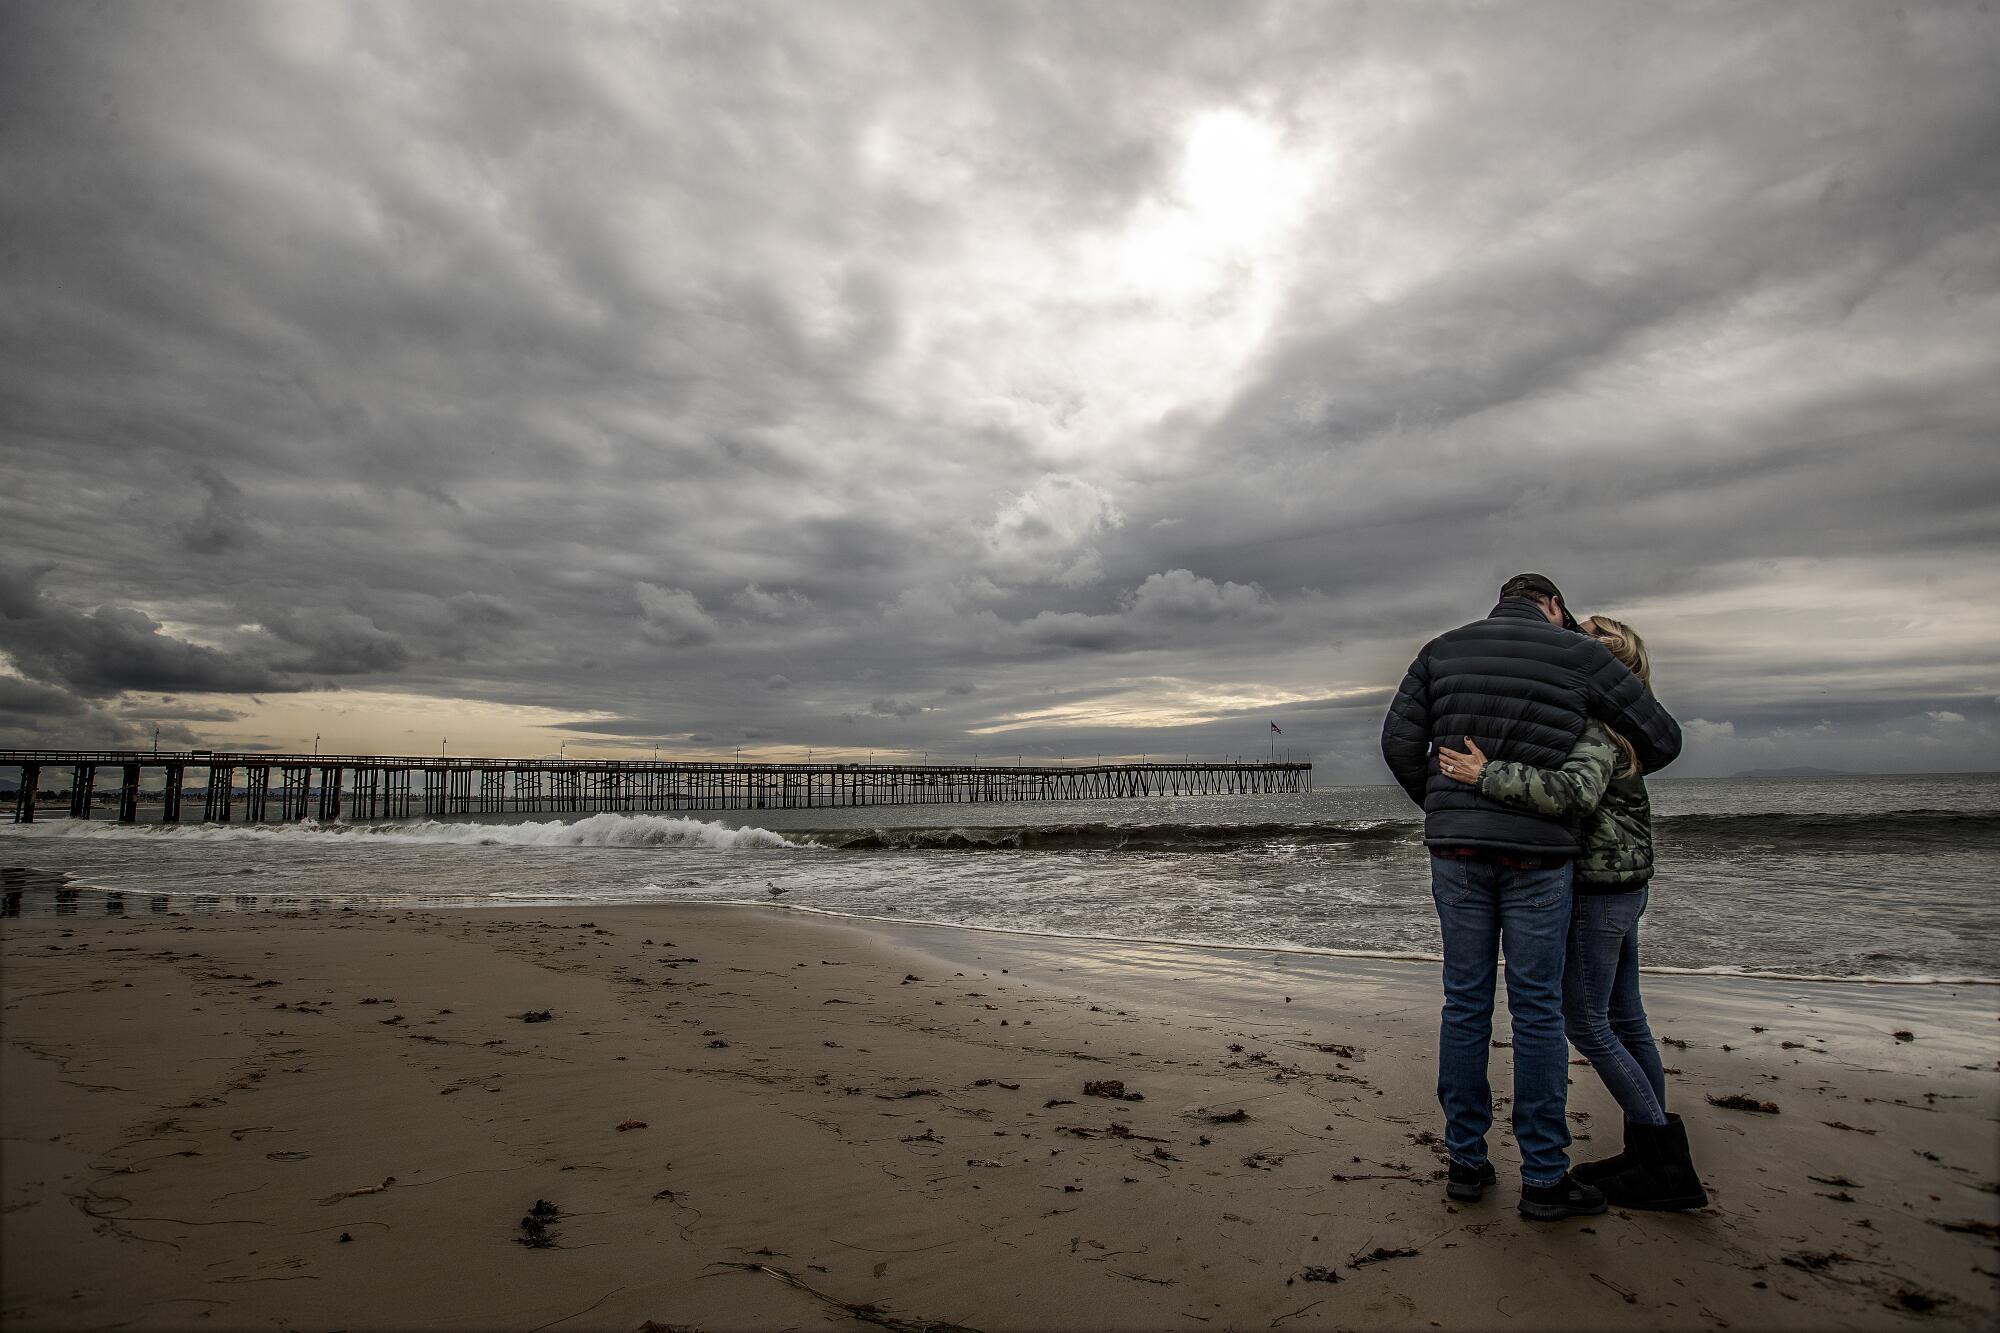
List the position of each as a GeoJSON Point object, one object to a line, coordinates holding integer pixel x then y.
{"type": "Point", "coordinates": [990, 378]}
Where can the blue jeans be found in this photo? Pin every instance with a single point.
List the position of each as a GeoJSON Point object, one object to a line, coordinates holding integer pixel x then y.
{"type": "Point", "coordinates": [1482, 905]}
{"type": "Point", "coordinates": [1601, 1006]}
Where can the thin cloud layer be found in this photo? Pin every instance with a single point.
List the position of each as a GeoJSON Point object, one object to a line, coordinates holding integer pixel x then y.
{"type": "Point", "coordinates": [1113, 378]}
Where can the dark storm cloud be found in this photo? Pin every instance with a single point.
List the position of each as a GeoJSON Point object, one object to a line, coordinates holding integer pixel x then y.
{"type": "Point", "coordinates": [472, 626]}
{"type": "Point", "coordinates": [30, 699]}
{"type": "Point", "coordinates": [673, 617]}
{"type": "Point", "coordinates": [1114, 375]}
{"type": "Point", "coordinates": [1165, 607]}
{"type": "Point", "coordinates": [110, 649]}
{"type": "Point", "coordinates": [222, 524]}
{"type": "Point", "coordinates": [340, 643]}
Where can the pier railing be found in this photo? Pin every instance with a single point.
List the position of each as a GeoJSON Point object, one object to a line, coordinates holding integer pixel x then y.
{"type": "Point", "coordinates": [265, 788]}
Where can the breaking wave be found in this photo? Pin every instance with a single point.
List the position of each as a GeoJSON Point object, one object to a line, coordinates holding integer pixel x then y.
{"type": "Point", "coordinates": [1104, 837]}
{"type": "Point", "coordinates": [1882, 831]}
{"type": "Point", "coordinates": [1893, 831]}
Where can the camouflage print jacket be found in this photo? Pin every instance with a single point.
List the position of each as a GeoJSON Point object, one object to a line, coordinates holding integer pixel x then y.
{"type": "Point", "coordinates": [1615, 815]}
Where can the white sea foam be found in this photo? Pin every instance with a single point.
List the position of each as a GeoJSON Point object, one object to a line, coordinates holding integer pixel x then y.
{"type": "Point", "coordinates": [1032, 932]}
{"type": "Point", "coordinates": [665, 893]}
{"type": "Point", "coordinates": [601, 830]}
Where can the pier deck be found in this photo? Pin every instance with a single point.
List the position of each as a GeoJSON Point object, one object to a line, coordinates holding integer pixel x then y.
{"type": "Point", "coordinates": [267, 788]}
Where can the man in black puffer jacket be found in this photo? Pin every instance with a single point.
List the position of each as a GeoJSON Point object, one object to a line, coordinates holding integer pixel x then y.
{"type": "Point", "coordinates": [1522, 683]}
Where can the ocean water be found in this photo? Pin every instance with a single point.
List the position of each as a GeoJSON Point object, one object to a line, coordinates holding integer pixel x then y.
{"type": "Point", "coordinates": [1867, 878]}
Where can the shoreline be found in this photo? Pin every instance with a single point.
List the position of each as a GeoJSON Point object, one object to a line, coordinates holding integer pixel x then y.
{"type": "Point", "coordinates": [895, 1112]}
{"type": "Point", "coordinates": [66, 881]}
{"type": "Point", "coordinates": [1849, 902]}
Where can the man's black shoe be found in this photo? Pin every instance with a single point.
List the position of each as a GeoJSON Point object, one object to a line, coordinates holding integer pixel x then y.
{"type": "Point", "coordinates": [1468, 1185]}
{"type": "Point", "coordinates": [1568, 1197]}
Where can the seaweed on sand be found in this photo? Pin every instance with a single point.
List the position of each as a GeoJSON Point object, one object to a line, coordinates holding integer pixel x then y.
{"type": "Point", "coordinates": [536, 1233]}
{"type": "Point", "coordinates": [1380, 1254]}
{"type": "Point", "coordinates": [1736, 1101]}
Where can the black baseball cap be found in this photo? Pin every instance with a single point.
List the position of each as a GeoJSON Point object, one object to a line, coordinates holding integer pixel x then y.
{"type": "Point", "coordinates": [1540, 585]}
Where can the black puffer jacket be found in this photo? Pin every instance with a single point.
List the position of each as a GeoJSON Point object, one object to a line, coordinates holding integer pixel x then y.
{"type": "Point", "coordinates": [1522, 688]}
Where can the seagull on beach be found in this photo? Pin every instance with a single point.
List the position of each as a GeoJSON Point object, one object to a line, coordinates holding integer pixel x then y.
{"type": "Point", "coordinates": [773, 889]}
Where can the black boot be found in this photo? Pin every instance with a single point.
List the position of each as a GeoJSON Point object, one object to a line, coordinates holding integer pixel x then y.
{"type": "Point", "coordinates": [1595, 1173]}
{"type": "Point", "coordinates": [1568, 1197]}
{"type": "Point", "coordinates": [1662, 1175]}
{"type": "Point", "coordinates": [1468, 1185]}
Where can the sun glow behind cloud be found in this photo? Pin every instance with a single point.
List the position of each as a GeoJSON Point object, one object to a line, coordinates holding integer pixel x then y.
{"type": "Point", "coordinates": [1235, 194]}
{"type": "Point", "coordinates": [1148, 703]}
{"type": "Point", "coordinates": [387, 722]}
{"type": "Point", "coordinates": [1205, 267]}
{"type": "Point", "coordinates": [1079, 340]}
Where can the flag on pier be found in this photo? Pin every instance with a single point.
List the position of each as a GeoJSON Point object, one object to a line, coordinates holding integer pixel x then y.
{"type": "Point", "coordinates": [1277, 730]}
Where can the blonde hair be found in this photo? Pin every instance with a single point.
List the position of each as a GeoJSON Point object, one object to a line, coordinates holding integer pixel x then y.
{"type": "Point", "coordinates": [1625, 645]}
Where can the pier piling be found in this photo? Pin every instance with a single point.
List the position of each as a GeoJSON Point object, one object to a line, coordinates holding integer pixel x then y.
{"type": "Point", "coordinates": [128, 794]}
{"type": "Point", "coordinates": [170, 795]}
{"type": "Point", "coordinates": [24, 795]}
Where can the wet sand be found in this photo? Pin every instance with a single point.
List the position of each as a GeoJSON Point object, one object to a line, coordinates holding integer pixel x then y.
{"type": "Point", "coordinates": [759, 1118]}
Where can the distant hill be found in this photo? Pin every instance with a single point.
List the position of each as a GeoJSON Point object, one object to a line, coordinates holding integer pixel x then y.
{"type": "Point", "coordinates": [1803, 772]}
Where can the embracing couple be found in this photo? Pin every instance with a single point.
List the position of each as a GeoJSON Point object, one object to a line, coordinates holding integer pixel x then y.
{"type": "Point", "coordinates": [1525, 736]}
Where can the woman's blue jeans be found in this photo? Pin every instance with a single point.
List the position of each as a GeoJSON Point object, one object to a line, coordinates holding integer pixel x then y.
{"type": "Point", "coordinates": [1482, 906]}
{"type": "Point", "coordinates": [1602, 1011]}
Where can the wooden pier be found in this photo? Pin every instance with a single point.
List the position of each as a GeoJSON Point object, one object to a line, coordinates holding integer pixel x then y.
{"type": "Point", "coordinates": [276, 788]}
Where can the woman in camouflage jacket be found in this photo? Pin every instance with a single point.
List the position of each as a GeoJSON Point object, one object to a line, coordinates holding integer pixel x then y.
{"type": "Point", "coordinates": [1599, 786]}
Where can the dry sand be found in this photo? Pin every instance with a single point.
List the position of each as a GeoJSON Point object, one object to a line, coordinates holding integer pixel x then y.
{"type": "Point", "coordinates": [339, 1120]}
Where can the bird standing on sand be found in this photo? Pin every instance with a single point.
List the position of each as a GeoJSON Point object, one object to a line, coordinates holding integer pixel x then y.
{"type": "Point", "coordinates": [773, 889]}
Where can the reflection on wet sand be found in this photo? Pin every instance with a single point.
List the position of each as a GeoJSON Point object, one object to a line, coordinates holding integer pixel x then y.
{"type": "Point", "coordinates": [32, 891]}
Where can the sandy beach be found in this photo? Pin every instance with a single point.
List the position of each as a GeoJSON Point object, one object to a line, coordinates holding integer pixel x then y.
{"type": "Point", "coordinates": [752, 1117]}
